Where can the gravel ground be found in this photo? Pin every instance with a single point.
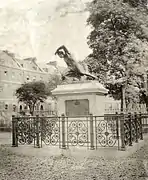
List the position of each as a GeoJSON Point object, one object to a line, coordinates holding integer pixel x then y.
{"type": "Point", "coordinates": [20, 167]}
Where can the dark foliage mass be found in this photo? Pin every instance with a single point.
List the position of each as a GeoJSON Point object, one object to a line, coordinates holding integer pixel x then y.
{"type": "Point", "coordinates": [119, 43]}
{"type": "Point", "coordinates": [32, 92]}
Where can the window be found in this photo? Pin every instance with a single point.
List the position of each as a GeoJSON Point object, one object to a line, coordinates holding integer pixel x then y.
{"type": "Point", "coordinates": [14, 107]}
{"type": "Point", "coordinates": [1, 88]}
{"type": "Point", "coordinates": [41, 108]}
{"type": "Point", "coordinates": [34, 78]}
{"type": "Point", "coordinates": [27, 78]}
{"type": "Point", "coordinates": [6, 106]}
{"type": "Point", "coordinates": [13, 75]}
{"type": "Point", "coordinates": [20, 76]}
{"type": "Point", "coordinates": [34, 67]}
{"type": "Point", "coordinates": [35, 108]}
{"type": "Point", "coordinates": [21, 107]}
{"type": "Point", "coordinates": [5, 72]}
{"type": "Point", "coordinates": [45, 69]}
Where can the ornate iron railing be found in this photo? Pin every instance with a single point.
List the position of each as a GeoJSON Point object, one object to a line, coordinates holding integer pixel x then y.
{"type": "Point", "coordinates": [26, 130]}
{"type": "Point", "coordinates": [132, 128]}
{"type": "Point", "coordinates": [37, 112]}
{"type": "Point", "coordinates": [50, 130]}
{"type": "Point", "coordinates": [144, 118]}
{"type": "Point", "coordinates": [110, 130]}
{"type": "Point", "coordinates": [106, 131]}
{"type": "Point", "coordinates": [77, 131]}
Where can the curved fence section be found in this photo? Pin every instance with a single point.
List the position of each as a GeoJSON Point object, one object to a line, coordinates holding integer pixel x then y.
{"type": "Point", "coordinates": [93, 132]}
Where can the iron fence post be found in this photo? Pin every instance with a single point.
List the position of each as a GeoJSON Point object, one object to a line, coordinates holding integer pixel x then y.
{"type": "Point", "coordinates": [41, 125]}
{"type": "Point", "coordinates": [136, 124]}
{"type": "Point", "coordinates": [122, 132]}
{"type": "Point", "coordinates": [63, 132]}
{"type": "Point", "coordinates": [130, 128]}
{"type": "Point", "coordinates": [14, 132]}
{"type": "Point", "coordinates": [117, 128]}
{"type": "Point", "coordinates": [141, 129]}
{"type": "Point", "coordinates": [91, 133]}
{"type": "Point", "coordinates": [37, 132]}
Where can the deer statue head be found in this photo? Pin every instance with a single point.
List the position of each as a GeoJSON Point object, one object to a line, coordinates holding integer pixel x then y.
{"type": "Point", "coordinates": [62, 51]}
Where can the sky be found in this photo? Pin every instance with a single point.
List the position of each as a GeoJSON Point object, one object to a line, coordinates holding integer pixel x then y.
{"type": "Point", "coordinates": [38, 27]}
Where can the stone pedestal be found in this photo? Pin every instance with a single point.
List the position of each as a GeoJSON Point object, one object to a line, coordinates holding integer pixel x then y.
{"type": "Point", "coordinates": [81, 98]}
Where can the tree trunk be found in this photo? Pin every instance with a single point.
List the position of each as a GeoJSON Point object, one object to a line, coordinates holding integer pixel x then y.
{"type": "Point", "coordinates": [147, 106]}
{"type": "Point", "coordinates": [31, 107]}
{"type": "Point", "coordinates": [146, 102]}
{"type": "Point", "coordinates": [123, 104]}
{"type": "Point", "coordinates": [146, 88]}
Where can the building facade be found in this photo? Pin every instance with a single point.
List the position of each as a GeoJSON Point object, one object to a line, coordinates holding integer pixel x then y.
{"type": "Point", "coordinates": [13, 73]}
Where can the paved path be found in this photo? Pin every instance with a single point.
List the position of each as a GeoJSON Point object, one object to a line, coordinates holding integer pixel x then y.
{"type": "Point", "coordinates": [21, 166]}
{"type": "Point", "coordinates": [76, 152]}
{"type": "Point", "coordinates": [5, 138]}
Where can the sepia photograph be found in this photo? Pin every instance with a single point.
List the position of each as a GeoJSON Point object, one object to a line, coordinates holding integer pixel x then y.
{"type": "Point", "coordinates": [74, 90]}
